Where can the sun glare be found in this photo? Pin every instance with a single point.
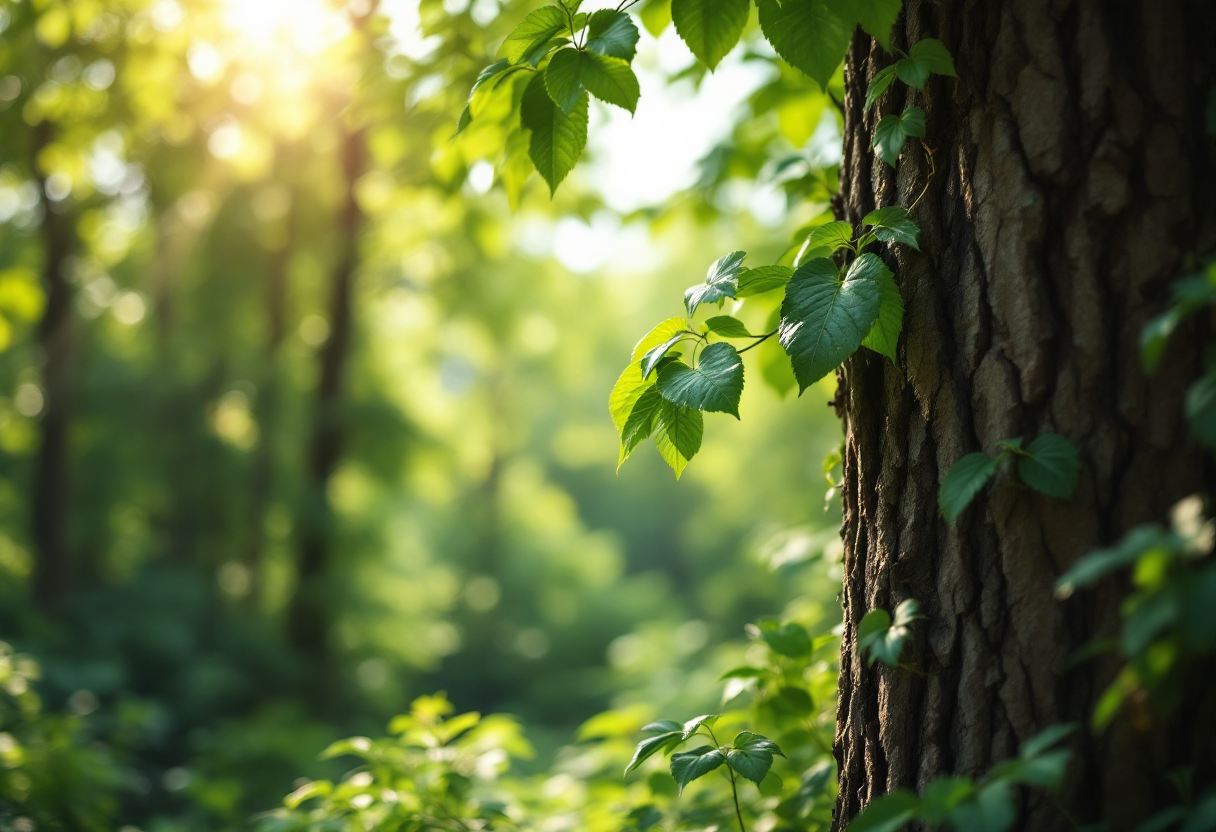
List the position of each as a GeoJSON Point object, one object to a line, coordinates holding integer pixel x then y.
{"type": "Point", "coordinates": [308, 26]}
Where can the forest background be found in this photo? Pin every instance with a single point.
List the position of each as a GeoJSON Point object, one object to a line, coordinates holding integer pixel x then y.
{"type": "Point", "coordinates": [326, 412]}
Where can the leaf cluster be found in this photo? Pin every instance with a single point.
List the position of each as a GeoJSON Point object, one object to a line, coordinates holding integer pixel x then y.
{"type": "Point", "coordinates": [837, 299]}
{"type": "Point", "coordinates": [1049, 465]}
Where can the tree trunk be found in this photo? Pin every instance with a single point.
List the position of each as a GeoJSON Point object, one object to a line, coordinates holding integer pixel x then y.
{"type": "Point", "coordinates": [309, 616]}
{"type": "Point", "coordinates": [1073, 177]}
{"type": "Point", "coordinates": [53, 566]}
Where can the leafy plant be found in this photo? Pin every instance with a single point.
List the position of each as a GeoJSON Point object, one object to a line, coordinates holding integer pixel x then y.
{"type": "Point", "coordinates": [968, 805]}
{"type": "Point", "coordinates": [749, 755]}
{"type": "Point", "coordinates": [1049, 465]}
{"type": "Point", "coordinates": [883, 637]}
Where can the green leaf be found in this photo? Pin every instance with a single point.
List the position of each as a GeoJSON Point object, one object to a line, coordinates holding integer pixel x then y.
{"type": "Point", "coordinates": [711, 28]}
{"type": "Point", "coordinates": [933, 53]}
{"type": "Point", "coordinates": [691, 726]}
{"type": "Point", "coordinates": [557, 138]}
{"type": "Point", "coordinates": [720, 282]}
{"type": "Point", "coordinates": [714, 385]}
{"type": "Point", "coordinates": [1201, 409]}
{"type": "Point", "coordinates": [962, 482]}
{"type": "Point", "coordinates": [625, 394]}
{"type": "Point", "coordinates": [610, 80]}
{"type": "Point", "coordinates": [1098, 564]}
{"type": "Point", "coordinates": [832, 236]}
{"type": "Point", "coordinates": [991, 810]}
{"type": "Point", "coordinates": [942, 795]}
{"type": "Point", "coordinates": [1051, 466]}
{"type": "Point", "coordinates": [889, 813]}
{"type": "Point", "coordinates": [808, 34]}
{"type": "Point", "coordinates": [878, 85]}
{"type": "Point", "coordinates": [883, 638]}
{"type": "Point", "coordinates": [744, 672]}
{"type": "Point", "coordinates": [656, 15]}
{"type": "Point", "coordinates": [892, 131]}
{"type": "Point", "coordinates": [727, 327]}
{"type": "Point", "coordinates": [926, 56]}
{"type": "Point", "coordinates": [883, 337]}
{"type": "Point", "coordinates": [650, 746]}
{"type": "Point", "coordinates": [678, 433]}
{"type": "Point", "coordinates": [657, 336]}
{"type": "Point", "coordinates": [877, 17]}
{"type": "Point", "coordinates": [564, 78]}
{"type": "Point", "coordinates": [788, 639]}
{"type": "Point", "coordinates": [689, 765]}
{"type": "Point", "coordinates": [751, 755]}
{"type": "Point", "coordinates": [535, 31]}
{"type": "Point", "coordinates": [912, 122]}
{"type": "Point", "coordinates": [663, 726]}
{"type": "Point", "coordinates": [1045, 739]}
{"type": "Point", "coordinates": [640, 423]}
{"type": "Point", "coordinates": [762, 279]}
{"type": "Point", "coordinates": [892, 224]}
{"type": "Point", "coordinates": [612, 33]}
{"type": "Point", "coordinates": [889, 139]}
{"type": "Point", "coordinates": [823, 320]}
{"type": "Point", "coordinates": [1155, 335]}
{"type": "Point", "coordinates": [657, 354]}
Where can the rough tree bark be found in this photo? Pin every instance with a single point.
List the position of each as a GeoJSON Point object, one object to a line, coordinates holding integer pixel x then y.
{"type": "Point", "coordinates": [1073, 177]}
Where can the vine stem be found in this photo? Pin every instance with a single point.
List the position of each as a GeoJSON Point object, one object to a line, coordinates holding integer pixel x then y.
{"type": "Point", "coordinates": [734, 788]}
{"type": "Point", "coordinates": [758, 342]}
{"type": "Point", "coordinates": [928, 179]}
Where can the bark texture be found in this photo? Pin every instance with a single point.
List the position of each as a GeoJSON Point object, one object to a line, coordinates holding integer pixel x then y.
{"type": "Point", "coordinates": [1073, 178]}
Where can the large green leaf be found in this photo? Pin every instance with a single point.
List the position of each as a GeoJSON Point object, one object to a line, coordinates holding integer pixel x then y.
{"type": "Point", "coordinates": [1051, 466]}
{"type": "Point", "coordinates": [564, 78]}
{"type": "Point", "coordinates": [558, 138]}
{"type": "Point", "coordinates": [678, 432]}
{"type": "Point", "coordinates": [762, 279]}
{"type": "Point", "coordinates": [610, 80]}
{"type": "Point", "coordinates": [612, 33]}
{"type": "Point", "coordinates": [727, 327]}
{"type": "Point", "coordinates": [883, 337]}
{"type": "Point", "coordinates": [640, 423]}
{"type": "Point", "coordinates": [878, 84]}
{"type": "Point", "coordinates": [892, 224]}
{"type": "Point", "coordinates": [831, 236]}
{"type": "Point", "coordinates": [650, 746]}
{"type": "Point", "coordinates": [652, 358]}
{"type": "Point", "coordinates": [877, 17]}
{"type": "Point", "coordinates": [711, 28]}
{"type": "Point", "coordinates": [656, 336]}
{"type": "Point", "coordinates": [962, 482]}
{"type": "Point", "coordinates": [714, 385]}
{"type": "Point", "coordinates": [990, 810]}
{"type": "Point", "coordinates": [625, 394]}
{"type": "Point", "coordinates": [721, 282]}
{"type": "Point", "coordinates": [689, 765]}
{"type": "Point", "coordinates": [789, 638]}
{"type": "Point", "coordinates": [892, 132]}
{"type": "Point", "coordinates": [824, 320]}
{"type": "Point", "coordinates": [809, 34]}
{"type": "Point", "coordinates": [534, 31]}
{"type": "Point", "coordinates": [927, 56]}
{"type": "Point", "coordinates": [751, 755]}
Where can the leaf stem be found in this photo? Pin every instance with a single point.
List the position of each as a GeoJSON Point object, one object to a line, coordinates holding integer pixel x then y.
{"type": "Point", "coordinates": [734, 788]}
{"type": "Point", "coordinates": [928, 179]}
{"type": "Point", "coordinates": [760, 339]}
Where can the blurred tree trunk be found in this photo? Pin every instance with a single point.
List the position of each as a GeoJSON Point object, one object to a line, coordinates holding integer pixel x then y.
{"type": "Point", "coordinates": [1073, 177]}
{"type": "Point", "coordinates": [49, 506]}
{"type": "Point", "coordinates": [269, 393]}
{"type": "Point", "coordinates": [310, 614]}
